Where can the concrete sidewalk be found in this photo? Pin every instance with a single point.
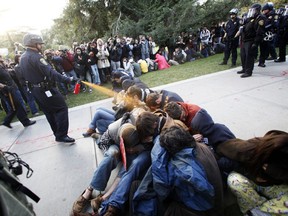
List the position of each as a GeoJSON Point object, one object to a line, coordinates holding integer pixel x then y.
{"type": "Point", "coordinates": [249, 107]}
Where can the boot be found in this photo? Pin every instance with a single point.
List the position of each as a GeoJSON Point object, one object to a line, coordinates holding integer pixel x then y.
{"type": "Point", "coordinates": [112, 211]}
{"type": "Point", "coordinates": [79, 205]}
{"type": "Point", "coordinates": [96, 202]}
{"type": "Point", "coordinates": [89, 132]}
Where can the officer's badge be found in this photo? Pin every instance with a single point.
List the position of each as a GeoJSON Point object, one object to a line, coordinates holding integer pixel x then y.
{"type": "Point", "coordinates": [261, 22]}
{"type": "Point", "coordinates": [43, 61]}
{"type": "Point", "coordinates": [276, 17]}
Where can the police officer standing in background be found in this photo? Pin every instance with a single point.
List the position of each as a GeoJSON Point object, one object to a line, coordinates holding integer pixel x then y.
{"type": "Point", "coordinates": [41, 79]}
{"type": "Point", "coordinates": [268, 44]}
{"type": "Point", "coordinates": [252, 35]}
{"type": "Point", "coordinates": [282, 33]}
{"type": "Point", "coordinates": [230, 38]}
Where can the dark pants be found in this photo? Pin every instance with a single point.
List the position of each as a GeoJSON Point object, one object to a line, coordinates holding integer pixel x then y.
{"type": "Point", "coordinates": [15, 108]}
{"type": "Point", "coordinates": [55, 110]}
{"type": "Point", "coordinates": [283, 39]}
{"type": "Point", "coordinates": [247, 57]}
{"type": "Point", "coordinates": [231, 48]}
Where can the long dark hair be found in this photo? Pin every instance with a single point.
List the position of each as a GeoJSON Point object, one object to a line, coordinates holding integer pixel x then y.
{"type": "Point", "coordinates": [272, 149]}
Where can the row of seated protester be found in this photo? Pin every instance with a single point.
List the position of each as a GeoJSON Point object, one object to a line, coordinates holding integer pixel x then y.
{"type": "Point", "coordinates": [175, 160]}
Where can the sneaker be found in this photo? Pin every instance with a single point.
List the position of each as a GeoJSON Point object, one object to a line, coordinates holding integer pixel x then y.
{"type": "Point", "coordinates": [96, 202]}
{"type": "Point", "coordinates": [84, 89]}
{"type": "Point", "coordinates": [36, 114]}
{"type": "Point", "coordinates": [90, 90]}
{"type": "Point", "coordinates": [89, 132]}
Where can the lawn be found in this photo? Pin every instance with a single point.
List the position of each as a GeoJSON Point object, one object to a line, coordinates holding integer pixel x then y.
{"type": "Point", "coordinates": [173, 74]}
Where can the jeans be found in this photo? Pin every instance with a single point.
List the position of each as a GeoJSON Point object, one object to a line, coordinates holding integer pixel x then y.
{"type": "Point", "coordinates": [102, 173]}
{"type": "Point", "coordinates": [95, 74]}
{"type": "Point", "coordinates": [73, 74]}
{"type": "Point", "coordinates": [102, 119]}
{"type": "Point", "coordinates": [139, 163]}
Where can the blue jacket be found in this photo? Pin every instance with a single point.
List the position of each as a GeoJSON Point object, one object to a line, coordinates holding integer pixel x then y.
{"type": "Point", "coordinates": [181, 176]}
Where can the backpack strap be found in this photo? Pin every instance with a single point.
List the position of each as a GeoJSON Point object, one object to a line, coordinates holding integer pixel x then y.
{"type": "Point", "coordinates": [16, 185]}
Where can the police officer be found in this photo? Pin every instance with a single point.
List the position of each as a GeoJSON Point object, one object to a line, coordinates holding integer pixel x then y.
{"type": "Point", "coordinates": [9, 95]}
{"type": "Point", "coordinates": [230, 37]}
{"type": "Point", "coordinates": [252, 35]}
{"type": "Point", "coordinates": [282, 33]}
{"type": "Point", "coordinates": [267, 45]}
{"type": "Point", "coordinates": [41, 78]}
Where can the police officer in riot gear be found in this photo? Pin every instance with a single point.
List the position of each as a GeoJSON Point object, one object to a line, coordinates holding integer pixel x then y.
{"type": "Point", "coordinates": [41, 78]}
{"type": "Point", "coordinates": [231, 39]}
{"type": "Point", "coordinates": [267, 45]}
{"type": "Point", "coordinates": [252, 35]}
{"type": "Point", "coordinates": [282, 33]}
{"type": "Point", "coordinates": [9, 94]}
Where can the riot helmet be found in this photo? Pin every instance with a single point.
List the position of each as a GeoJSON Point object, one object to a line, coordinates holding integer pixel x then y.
{"type": "Point", "coordinates": [31, 40]}
{"type": "Point", "coordinates": [233, 11]}
{"type": "Point", "coordinates": [254, 10]}
{"type": "Point", "coordinates": [280, 11]}
{"type": "Point", "coordinates": [268, 6]}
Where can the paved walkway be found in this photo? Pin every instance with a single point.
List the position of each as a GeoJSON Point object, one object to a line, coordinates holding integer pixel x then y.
{"type": "Point", "coordinates": [249, 107]}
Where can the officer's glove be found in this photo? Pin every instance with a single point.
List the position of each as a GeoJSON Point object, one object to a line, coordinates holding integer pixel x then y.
{"type": "Point", "coordinates": [75, 80]}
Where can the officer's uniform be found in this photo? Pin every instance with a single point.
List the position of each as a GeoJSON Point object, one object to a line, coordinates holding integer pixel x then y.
{"type": "Point", "coordinates": [282, 37]}
{"type": "Point", "coordinates": [41, 78]}
{"type": "Point", "coordinates": [267, 45]}
{"type": "Point", "coordinates": [9, 95]}
{"type": "Point", "coordinates": [252, 35]}
{"type": "Point", "coordinates": [231, 43]}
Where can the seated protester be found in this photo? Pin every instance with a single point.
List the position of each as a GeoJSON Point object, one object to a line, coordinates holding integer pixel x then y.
{"type": "Point", "coordinates": [199, 121]}
{"type": "Point", "coordinates": [118, 77]}
{"type": "Point", "coordinates": [136, 69]}
{"type": "Point", "coordinates": [155, 185]}
{"type": "Point", "coordinates": [138, 161]}
{"type": "Point", "coordinates": [161, 61]}
{"type": "Point", "coordinates": [143, 66]}
{"type": "Point", "coordinates": [101, 120]}
{"type": "Point", "coordinates": [109, 143]}
{"type": "Point", "coordinates": [192, 182]}
{"type": "Point", "coordinates": [157, 100]}
{"type": "Point", "coordinates": [128, 67]}
{"type": "Point", "coordinates": [179, 57]}
{"type": "Point", "coordinates": [261, 186]}
{"type": "Point", "coordinates": [205, 50]}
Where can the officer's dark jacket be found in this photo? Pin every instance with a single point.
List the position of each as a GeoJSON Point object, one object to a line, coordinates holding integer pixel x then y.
{"type": "Point", "coordinates": [271, 22]}
{"type": "Point", "coordinates": [254, 29]}
{"type": "Point", "coordinates": [6, 79]}
{"type": "Point", "coordinates": [232, 27]}
{"type": "Point", "coordinates": [35, 69]}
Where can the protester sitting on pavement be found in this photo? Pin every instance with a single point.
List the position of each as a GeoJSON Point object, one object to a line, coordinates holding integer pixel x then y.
{"type": "Point", "coordinates": [192, 182]}
{"type": "Point", "coordinates": [145, 201]}
{"type": "Point", "coordinates": [261, 184]}
{"type": "Point", "coordinates": [157, 100]}
{"type": "Point", "coordinates": [200, 122]}
{"type": "Point", "coordinates": [101, 120]}
{"type": "Point", "coordinates": [109, 143]}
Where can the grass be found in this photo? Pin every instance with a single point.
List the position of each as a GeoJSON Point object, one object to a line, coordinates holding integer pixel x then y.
{"type": "Point", "coordinates": [152, 79]}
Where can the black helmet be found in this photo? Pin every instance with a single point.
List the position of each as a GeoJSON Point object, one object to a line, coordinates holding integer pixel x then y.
{"type": "Point", "coordinates": [268, 6]}
{"type": "Point", "coordinates": [31, 40]}
{"type": "Point", "coordinates": [254, 10]}
{"type": "Point", "coordinates": [234, 11]}
{"type": "Point", "coordinates": [280, 11]}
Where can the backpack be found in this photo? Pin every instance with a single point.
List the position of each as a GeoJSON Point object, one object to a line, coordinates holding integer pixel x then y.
{"type": "Point", "coordinates": [13, 200]}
